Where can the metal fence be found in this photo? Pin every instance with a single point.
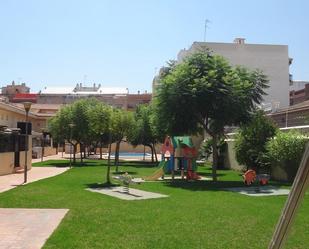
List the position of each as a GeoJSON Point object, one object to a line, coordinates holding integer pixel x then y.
{"type": "Point", "coordinates": [10, 142]}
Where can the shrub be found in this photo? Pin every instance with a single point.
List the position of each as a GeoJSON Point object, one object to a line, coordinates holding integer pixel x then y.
{"type": "Point", "coordinates": [286, 151]}
{"type": "Point", "coordinates": [250, 144]}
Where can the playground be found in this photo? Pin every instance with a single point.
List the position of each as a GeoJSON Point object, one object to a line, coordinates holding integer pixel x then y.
{"type": "Point", "coordinates": [178, 155]}
{"type": "Point", "coordinates": [196, 214]}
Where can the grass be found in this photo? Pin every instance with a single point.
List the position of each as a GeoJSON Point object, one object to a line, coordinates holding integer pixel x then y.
{"type": "Point", "coordinates": [195, 215]}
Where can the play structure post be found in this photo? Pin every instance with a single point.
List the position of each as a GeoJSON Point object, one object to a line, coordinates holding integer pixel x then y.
{"type": "Point", "coordinates": [300, 185]}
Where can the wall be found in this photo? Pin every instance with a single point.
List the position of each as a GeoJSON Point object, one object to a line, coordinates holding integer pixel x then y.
{"type": "Point", "coordinates": [230, 161]}
{"type": "Point", "coordinates": [7, 160]}
{"type": "Point", "coordinates": [291, 117]}
{"type": "Point", "coordinates": [299, 96]}
{"type": "Point", "coordinates": [48, 151]}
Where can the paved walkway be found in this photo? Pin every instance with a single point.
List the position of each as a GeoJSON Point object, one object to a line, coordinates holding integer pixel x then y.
{"type": "Point", "coordinates": [260, 191]}
{"type": "Point", "coordinates": [27, 228]}
{"type": "Point", "coordinates": [8, 182]}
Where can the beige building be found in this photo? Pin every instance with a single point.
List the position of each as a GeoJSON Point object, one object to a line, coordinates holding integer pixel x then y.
{"type": "Point", "coordinates": [273, 60]}
{"type": "Point", "coordinates": [10, 115]}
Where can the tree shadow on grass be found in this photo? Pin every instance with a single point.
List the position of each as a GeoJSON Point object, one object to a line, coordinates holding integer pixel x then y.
{"type": "Point", "coordinates": [138, 164]}
{"type": "Point", "coordinates": [203, 185]}
{"type": "Point", "coordinates": [58, 164]}
{"type": "Point", "coordinates": [123, 172]}
{"type": "Point", "coordinates": [206, 174]}
{"type": "Point", "coordinates": [101, 185]}
{"type": "Point", "coordinates": [214, 186]}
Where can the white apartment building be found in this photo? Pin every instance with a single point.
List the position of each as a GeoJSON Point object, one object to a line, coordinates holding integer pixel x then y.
{"type": "Point", "coordinates": [273, 60]}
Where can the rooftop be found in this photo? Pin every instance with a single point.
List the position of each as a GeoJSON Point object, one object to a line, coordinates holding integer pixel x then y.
{"type": "Point", "coordinates": [75, 91]}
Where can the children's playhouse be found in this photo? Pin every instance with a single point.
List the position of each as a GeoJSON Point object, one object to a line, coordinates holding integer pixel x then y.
{"type": "Point", "coordinates": [178, 156]}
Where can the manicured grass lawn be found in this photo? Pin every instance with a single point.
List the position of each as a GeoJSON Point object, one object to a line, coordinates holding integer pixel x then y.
{"type": "Point", "coordinates": [195, 215]}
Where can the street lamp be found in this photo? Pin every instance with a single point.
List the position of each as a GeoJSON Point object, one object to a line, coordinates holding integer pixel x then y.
{"type": "Point", "coordinates": [43, 144]}
{"type": "Point", "coordinates": [27, 106]}
{"type": "Point", "coordinates": [71, 130]}
{"type": "Point", "coordinates": [108, 181]}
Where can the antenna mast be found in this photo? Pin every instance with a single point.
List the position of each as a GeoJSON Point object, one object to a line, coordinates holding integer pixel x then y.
{"type": "Point", "coordinates": [206, 26]}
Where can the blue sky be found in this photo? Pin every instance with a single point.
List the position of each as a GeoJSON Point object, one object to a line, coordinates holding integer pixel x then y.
{"type": "Point", "coordinates": [123, 43]}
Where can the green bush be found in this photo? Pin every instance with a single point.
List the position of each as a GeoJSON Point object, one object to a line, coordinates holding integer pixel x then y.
{"type": "Point", "coordinates": [250, 143]}
{"type": "Point", "coordinates": [286, 151]}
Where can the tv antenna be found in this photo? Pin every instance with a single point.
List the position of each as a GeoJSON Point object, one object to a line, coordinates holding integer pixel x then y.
{"type": "Point", "coordinates": [206, 26]}
{"type": "Point", "coordinates": [85, 79]}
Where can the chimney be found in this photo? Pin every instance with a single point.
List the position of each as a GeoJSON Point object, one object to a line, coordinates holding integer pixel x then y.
{"type": "Point", "coordinates": [239, 40]}
{"type": "Point", "coordinates": [138, 92]}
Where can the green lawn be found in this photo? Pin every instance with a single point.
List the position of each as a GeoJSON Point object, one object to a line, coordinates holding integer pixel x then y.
{"type": "Point", "coordinates": [195, 215]}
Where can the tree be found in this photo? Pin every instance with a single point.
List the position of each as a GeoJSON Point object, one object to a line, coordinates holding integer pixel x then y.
{"type": "Point", "coordinates": [250, 144]}
{"type": "Point", "coordinates": [143, 129]}
{"type": "Point", "coordinates": [99, 116]}
{"type": "Point", "coordinates": [60, 129]}
{"type": "Point", "coordinates": [121, 123]}
{"type": "Point", "coordinates": [205, 93]}
{"type": "Point", "coordinates": [78, 115]}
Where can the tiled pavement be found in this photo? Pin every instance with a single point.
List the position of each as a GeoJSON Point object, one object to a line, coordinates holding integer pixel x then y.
{"type": "Point", "coordinates": [8, 182]}
{"type": "Point", "coordinates": [27, 228]}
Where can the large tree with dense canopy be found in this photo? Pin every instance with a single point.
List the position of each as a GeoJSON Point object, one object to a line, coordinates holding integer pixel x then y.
{"type": "Point", "coordinates": [205, 93]}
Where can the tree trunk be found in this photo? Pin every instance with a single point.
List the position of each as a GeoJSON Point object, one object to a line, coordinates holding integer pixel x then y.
{"type": "Point", "coordinates": [151, 148]}
{"type": "Point", "coordinates": [144, 154]}
{"type": "Point", "coordinates": [74, 152]}
{"type": "Point", "coordinates": [214, 157]}
{"type": "Point", "coordinates": [85, 151]}
{"type": "Point", "coordinates": [100, 151]}
{"type": "Point", "coordinates": [155, 152]}
{"type": "Point", "coordinates": [81, 152]}
{"type": "Point", "coordinates": [108, 181]}
{"type": "Point", "coordinates": [117, 155]}
{"type": "Point", "coordinates": [88, 151]}
{"type": "Point", "coordinates": [152, 154]}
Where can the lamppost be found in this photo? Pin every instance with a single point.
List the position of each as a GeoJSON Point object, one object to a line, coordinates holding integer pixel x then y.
{"type": "Point", "coordinates": [108, 181]}
{"type": "Point", "coordinates": [71, 130]}
{"type": "Point", "coordinates": [27, 106]}
{"type": "Point", "coordinates": [43, 144]}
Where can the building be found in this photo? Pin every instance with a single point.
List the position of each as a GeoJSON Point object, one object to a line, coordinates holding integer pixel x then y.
{"type": "Point", "coordinates": [299, 92]}
{"type": "Point", "coordinates": [114, 96]}
{"type": "Point", "coordinates": [10, 90]}
{"type": "Point", "coordinates": [293, 116]}
{"type": "Point", "coordinates": [12, 150]}
{"type": "Point", "coordinates": [297, 85]}
{"type": "Point", "coordinates": [273, 60]}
